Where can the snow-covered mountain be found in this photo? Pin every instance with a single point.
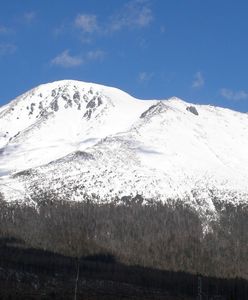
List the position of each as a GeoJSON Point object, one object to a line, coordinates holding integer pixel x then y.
{"type": "Point", "coordinates": [80, 139]}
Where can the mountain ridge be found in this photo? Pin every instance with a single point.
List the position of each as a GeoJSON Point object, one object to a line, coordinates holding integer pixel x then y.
{"type": "Point", "coordinates": [84, 138]}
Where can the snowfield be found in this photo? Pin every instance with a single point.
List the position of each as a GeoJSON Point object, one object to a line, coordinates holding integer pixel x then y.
{"type": "Point", "coordinates": [80, 139]}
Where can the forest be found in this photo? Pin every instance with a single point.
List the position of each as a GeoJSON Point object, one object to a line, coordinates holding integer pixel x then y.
{"type": "Point", "coordinates": [156, 236]}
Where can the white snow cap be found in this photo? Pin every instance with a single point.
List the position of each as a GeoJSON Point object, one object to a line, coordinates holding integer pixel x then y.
{"type": "Point", "coordinates": [72, 131]}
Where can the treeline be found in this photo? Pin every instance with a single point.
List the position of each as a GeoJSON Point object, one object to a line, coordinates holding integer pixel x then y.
{"type": "Point", "coordinates": [169, 237]}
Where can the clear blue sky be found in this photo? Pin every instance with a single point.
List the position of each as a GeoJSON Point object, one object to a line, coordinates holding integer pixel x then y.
{"type": "Point", "coordinates": [194, 49]}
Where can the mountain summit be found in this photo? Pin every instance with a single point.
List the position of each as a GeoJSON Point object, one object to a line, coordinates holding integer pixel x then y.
{"type": "Point", "coordinates": [77, 139]}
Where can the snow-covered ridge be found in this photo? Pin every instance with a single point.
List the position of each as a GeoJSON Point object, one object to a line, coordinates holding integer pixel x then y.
{"type": "Point", "coordinates": [55, 119]}
{"type": "Point", "coordinates": [78, 138]}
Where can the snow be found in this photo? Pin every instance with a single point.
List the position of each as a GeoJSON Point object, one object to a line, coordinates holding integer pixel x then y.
{"type": "Point", "coordinates": [84, 138]}
{"type": "Point", "coordinates": [45, 135]}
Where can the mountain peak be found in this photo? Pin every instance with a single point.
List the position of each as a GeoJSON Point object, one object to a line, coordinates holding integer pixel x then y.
{"type": "Point", "coordinates": [66, 132]}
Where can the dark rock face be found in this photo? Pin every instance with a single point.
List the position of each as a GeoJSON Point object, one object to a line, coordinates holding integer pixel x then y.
{"type": "Point", "coordinates": [53, 93]}
{"type": "Point", "coordinates": [154, 109]}
{"type": "Point", "coordinates": [40, 105]}
{"type": "Point", "coordinates": [144, 114]}
{"type": "Point", "coordinates": [54, 105]}
{"type": "Point", "coordinates": [193, 110]}
{"type": "Point", "coordinates": [32, 108]}
{"type": "Point", "coordinates": [99, 101]}
{"type": "Point", "coordinates": [87, 115]}
{"type": "Point", "coordinates": [94, 102]}
{"type": "Point", "coordinates": [91, 104]}
{"type": "Point", "coordinates": [83, 155]}
{"type": "Point", "coordinates": [76, 96]}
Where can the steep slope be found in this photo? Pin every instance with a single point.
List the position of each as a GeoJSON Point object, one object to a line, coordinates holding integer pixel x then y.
{"type": "Point", "coordinates": [55, 119]}
{"type": "Point", "coordinates": [109, 146]}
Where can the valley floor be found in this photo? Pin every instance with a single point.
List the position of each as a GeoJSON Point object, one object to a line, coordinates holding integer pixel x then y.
{"type": "Point", "coordinates": [36, 274]}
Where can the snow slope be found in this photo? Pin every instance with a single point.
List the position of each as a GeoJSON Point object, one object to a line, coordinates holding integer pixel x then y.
{"type": "Point", "coordinates": [81, 139]}
{"type": "Point", "coordinates": [55, 119]}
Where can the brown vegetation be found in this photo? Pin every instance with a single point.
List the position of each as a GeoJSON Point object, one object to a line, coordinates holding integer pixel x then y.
{"type": "Point", "coordinates": [157, 235]}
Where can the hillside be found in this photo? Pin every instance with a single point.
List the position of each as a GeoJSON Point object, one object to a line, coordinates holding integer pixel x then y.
{"type": "Point", "coordinates": [76, 139]}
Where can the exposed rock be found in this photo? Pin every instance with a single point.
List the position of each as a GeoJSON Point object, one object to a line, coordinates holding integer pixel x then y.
{"type": "Point", "coordinates": [193, 110]}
